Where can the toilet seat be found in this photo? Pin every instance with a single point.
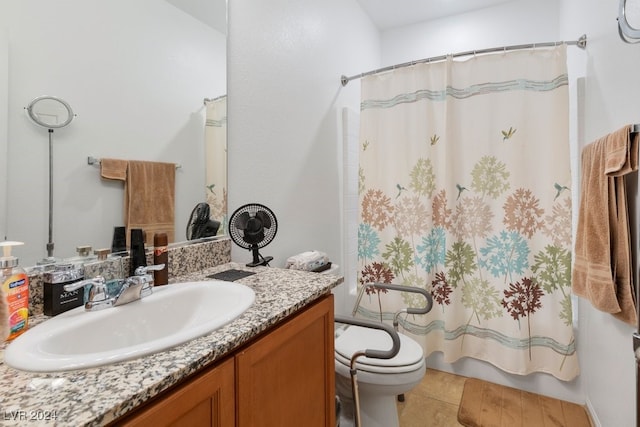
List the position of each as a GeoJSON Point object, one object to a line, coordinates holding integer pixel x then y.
{"type": "Point", "coordinates": [357, 338]}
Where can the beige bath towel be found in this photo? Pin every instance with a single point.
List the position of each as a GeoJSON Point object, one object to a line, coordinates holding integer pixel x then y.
{"type": "Point", "coordinates": [602, 270]}
{"type": "Point", "coordinates": [149, 195]}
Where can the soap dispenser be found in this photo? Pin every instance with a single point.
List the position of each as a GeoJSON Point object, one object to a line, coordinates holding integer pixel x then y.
{"type": "Point", "coordinates": [15, 289]}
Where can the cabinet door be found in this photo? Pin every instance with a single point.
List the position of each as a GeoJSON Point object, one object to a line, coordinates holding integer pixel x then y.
{"type": "Point", "coordinates": [287, 378]}
{"type": "Point", "coordinates": [206, 400]}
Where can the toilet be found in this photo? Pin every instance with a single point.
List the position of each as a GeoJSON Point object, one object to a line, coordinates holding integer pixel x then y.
{"type": "Point", "coordinates": [379, 381]}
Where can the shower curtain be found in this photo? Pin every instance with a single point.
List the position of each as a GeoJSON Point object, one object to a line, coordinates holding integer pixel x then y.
{"type": "Point", "coordinates": [464, 189]}
{"type": "Point", "coordinates": [216, 160]}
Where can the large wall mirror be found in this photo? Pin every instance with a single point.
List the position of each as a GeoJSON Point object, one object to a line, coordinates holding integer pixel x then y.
{"type": "Point", "coordinates": [147, 81]}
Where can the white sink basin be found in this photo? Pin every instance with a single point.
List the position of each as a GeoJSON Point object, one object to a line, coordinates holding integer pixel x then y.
{"type": "Point", "coordinates": [172, 315]}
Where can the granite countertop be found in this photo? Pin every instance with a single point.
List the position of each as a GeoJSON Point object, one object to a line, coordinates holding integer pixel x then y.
{"type": "Point", "coordinates": [98, 396]}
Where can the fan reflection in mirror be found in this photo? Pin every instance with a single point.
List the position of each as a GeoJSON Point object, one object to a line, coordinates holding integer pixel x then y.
{"type": "Point", "coordinates": [253, 226]}
{"type": "Point", "coordinates": [200, 224]}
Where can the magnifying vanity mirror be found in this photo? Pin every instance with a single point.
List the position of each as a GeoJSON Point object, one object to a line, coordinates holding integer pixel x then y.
{"type": "Point", "coordinates": [629, 21]}
{"type": "Point", "coordinates": [50, 112]}
{"type": "Point", "coordinates": [138, 72]}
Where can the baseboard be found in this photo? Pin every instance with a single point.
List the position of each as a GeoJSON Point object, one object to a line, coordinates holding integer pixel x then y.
{"type": "Point", "coordinates": [595, 422]}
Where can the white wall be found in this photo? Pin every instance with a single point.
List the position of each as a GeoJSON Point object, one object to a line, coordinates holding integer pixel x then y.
{"type": "Point", "coordinates": [511, 23]}
{"type": "Point", "coordinates": [611, 96]}
{"type": "Point", "coordinates": [136, 74]}
{"type": "Point", "coordinates": [285, 100]}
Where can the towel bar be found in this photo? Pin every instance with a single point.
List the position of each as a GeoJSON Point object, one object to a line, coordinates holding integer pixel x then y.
{"type": "Point", "coordinates": [96, 162]}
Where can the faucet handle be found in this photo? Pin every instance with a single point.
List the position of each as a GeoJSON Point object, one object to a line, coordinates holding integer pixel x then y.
{"type": "Point", "coordinates": [98, 298]}
{"type": "Point", "coordinates": [102, 253]}
{"type": "Point", "coordinates": [97, 281]}
{"type": "Point", "coordinates": [144, 279]}
{"type": "Point", "coordinates": [146, 269]}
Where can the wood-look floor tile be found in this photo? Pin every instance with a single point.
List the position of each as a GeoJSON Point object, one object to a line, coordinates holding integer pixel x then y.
{"type": "Point", "coordinates": [434, 402]}
{"type": "Point", "coordinates": [442, 386]}
{"type": "Point", "coordinates": [427, 412]}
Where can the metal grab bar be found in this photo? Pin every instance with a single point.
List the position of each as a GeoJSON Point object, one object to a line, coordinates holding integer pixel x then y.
{"type": "Point", "coordinates": [376, 354]}
{"type": "Point", "coordinates": [409, 310]}
{"type": "Point", "coordinates": [401, 288]}
{"type": "Point", "coordinates": [379, 325]}
{"type": "Point", "coordinates": [373, 353]}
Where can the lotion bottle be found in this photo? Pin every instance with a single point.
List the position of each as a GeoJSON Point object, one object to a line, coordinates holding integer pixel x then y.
{"type": "Point", "coordinates": [4, 316]}
{"type": "Point", "coordinates": [15, 288]}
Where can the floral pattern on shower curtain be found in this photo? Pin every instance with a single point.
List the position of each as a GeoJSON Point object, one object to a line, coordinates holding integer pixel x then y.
{"type": "Point", "coordinates": [464, 190]}
{"type": "Point", "coordinates": [216, 160]}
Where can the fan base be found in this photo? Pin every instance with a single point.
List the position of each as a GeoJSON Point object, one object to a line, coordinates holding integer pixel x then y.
{"type": "Point", "coordinates": [264, 261]}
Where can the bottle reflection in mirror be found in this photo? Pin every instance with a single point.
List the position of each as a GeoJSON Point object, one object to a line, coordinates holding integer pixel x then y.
{"type": "Point", "coordinates": [119, 242]}
{"type": "Point", "coordinates": [138, 257]}
{"type": "Point", "coordinates": [161, 256]}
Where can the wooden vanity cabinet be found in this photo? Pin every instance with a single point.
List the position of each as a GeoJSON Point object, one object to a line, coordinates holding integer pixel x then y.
{"type": "Point", "coordinates": [208, 399]}
{"type": "Point", "coordinates": [285, 377]}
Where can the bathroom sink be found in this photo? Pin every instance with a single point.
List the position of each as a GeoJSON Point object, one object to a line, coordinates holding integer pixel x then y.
{"type": "Point", "coordinates": [172, 315]}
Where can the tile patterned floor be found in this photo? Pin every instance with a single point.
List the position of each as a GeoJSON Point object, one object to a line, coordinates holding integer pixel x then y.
{"type": "Point", "coordinates": [434, 402]}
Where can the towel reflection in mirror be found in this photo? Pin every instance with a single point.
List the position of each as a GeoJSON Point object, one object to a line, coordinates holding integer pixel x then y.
{"type": "Point", "coordinates": [149, 195]}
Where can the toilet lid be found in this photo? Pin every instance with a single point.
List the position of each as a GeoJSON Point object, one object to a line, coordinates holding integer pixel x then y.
{"type": "Point", "coordinates": [357, 338]}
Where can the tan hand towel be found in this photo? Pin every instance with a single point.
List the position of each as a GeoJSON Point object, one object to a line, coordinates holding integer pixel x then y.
{"type": "Point", "coordinates": [602, 270]}
{"type": "Point", "coordinates": [150, 199]}
{"type": "Point", "coordinates": [113, 169]}
{"type": "Point", "coordinates": [621, 152]}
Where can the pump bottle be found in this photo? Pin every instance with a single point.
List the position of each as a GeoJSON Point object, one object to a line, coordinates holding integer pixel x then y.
{"type": "Point", "coordinates": [15, 289]}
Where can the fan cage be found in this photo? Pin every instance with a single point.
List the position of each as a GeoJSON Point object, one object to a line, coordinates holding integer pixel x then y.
{"type": "Point", "coordinates": [237, 235]}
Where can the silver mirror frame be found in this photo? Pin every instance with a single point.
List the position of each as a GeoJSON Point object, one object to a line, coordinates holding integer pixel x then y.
{"type": "Point", "coordinates": [36, 119]}
{"type": "Point", "coordinates": [628, 34]}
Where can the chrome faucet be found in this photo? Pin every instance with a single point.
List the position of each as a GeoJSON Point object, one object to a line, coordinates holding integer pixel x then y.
{"type": "Point", "coordinates": [137, 286]}
{"type": "Point", "coordinates": [98, 296]}
{"type": "Point", "coordinates": [133, 288]}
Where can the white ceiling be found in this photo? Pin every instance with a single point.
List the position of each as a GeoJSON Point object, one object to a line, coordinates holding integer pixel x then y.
{"type": "Point", "coordinates": [387, 14]}
{"type": "Point", "coordinates": [210, 12]}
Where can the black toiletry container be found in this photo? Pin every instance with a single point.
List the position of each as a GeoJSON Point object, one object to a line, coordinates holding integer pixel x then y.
{"type": "Point", "coordinates": [56, 299]}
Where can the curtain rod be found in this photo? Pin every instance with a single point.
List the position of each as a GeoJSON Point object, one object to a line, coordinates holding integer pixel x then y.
{"type": "Point", "coordinates": [581, 43]}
